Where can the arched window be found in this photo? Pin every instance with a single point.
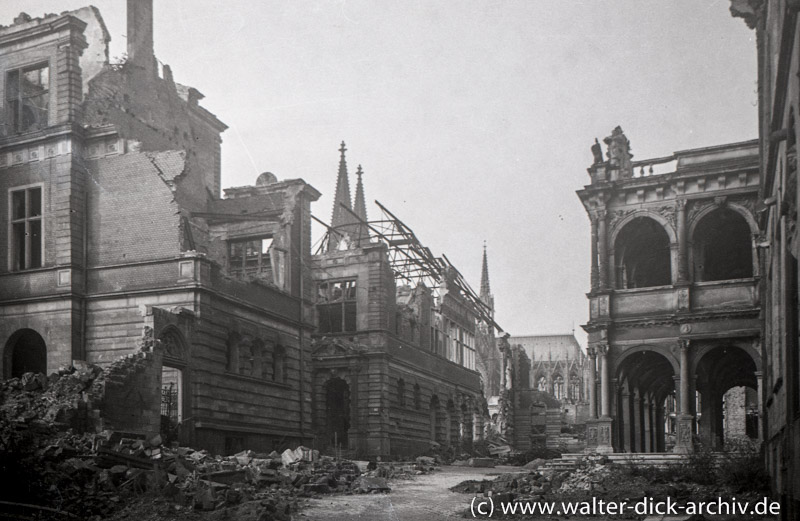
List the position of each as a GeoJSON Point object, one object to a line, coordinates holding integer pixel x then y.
{"type": "Point", "coordinates": [722, 247]}
{"type": "Point", "coordinates": [401, 392]}
{"type": "Point", "coordinates": [417, 397]}
{"type": "Point", "coordinates": [541, 384]}
{"type": "Point", "coordinates": [259, 367]}
{"type": "Point", "coordinates": [642, 255]}
{"type": "Point", "coordinates": [558, 387]}
{"type": "Point", "coordinates": [279, 364]}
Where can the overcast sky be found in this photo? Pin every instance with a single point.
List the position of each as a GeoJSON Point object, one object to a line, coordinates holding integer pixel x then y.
{"type": "Point", "coordinates": [472, 120]}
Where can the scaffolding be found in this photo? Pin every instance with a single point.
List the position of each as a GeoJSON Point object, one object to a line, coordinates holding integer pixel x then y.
{"type": "Point", "coordinates": [413, 263]}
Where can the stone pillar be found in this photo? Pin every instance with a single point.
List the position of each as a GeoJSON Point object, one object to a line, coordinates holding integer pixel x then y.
{"type": "Point", "coordinates": [605, 381]}
{"type": "Point", "coordinates": [648, 440]}
{"type": "Point", "coordinates": [602, 249]}
{"type": "Point", "coordinates": [626, 420]}
{"type": "Point", "coordinates": [595, 266]}
{"type": "Point", "coordinates": [680, 215]}
{"type": "Point", "coordinates": [591, 427]}
{"type": "Point", "coordinates": [604, 439]}
{"type": "Point", "coordinates": [759, 397]}
{"type": "Point", "coordinates": [636, 432]}
{"type": "Point", "coordinates": [592, 383]}
{"type": "Point", "coordinates": [683, 440]}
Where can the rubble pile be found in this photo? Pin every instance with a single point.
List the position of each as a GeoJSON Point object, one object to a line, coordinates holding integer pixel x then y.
{"type": "Point", "coordinates": [50, 438]}
{"type": "Point", "coordinates": [536, 485]}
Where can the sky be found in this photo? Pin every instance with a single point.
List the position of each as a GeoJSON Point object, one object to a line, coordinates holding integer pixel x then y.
{"type": "Point", "coordinates": [472, 121]}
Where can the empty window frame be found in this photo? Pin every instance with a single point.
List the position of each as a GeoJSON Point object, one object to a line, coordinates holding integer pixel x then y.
{"type": "Point", "coordinates": [28, 98]}
{"type": "Point", "coordinates": [336, 305]}
{"type": "Point", "coordinates": [249, 257]}
{"type": "Point", "coordinates": [25, 234]}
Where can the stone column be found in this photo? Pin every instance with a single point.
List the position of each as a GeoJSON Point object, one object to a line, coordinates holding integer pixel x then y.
{"type": "Point", "coordinates": [636, 442]}
{"type": "Point", "coordinates": [759, 397]}
{"type": "Point", "coordinates": [602, 248]}
{"type": "Point", "coordinates": [680, 214]}
{"type": "Point", "coordinates": [648, 447]}
{"type": "Point", "coordinates": [683, 440]}
{"type": "Point", "coordinates": [604, 440]}
{"type": "Point", "coordinates": [595, 266]}
{"type": "Point", "coordinates": [591, 427]}
{"type": "Point", "coordinates": [626, 420]}
{"type": "Point", "coordinates": [592, 383]}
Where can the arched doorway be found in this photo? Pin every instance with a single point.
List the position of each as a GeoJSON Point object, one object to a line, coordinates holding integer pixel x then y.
{"type": "Point", "coordinates": [719, 370]}
{"type": "Point", "coordinates": [337, 412]}
{"type": "Point", "coordinates": [722, 248]}
{"type": "Point", "coordinates": [645, 384]}
{"type": "Point", "coordinates": [25, 352]}
{"type": "Point", "coordinates": [642, 255]}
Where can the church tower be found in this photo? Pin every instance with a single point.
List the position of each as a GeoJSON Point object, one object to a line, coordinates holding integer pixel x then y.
{"type": "Point", "coordinates": [486, 292]}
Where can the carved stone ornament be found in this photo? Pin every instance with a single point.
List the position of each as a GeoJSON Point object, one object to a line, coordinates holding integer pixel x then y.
{"type": "Point", "coordinates": [328, 346]}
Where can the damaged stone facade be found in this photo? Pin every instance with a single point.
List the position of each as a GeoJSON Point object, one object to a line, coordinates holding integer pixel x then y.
{"type": "Point", "coordinates": [394, 367]}
{"type": "Point", "coordinates": [675, 299]}
{"type": "Point", "coordinates": [778, 39]}
{"type": "Point", "coordinates": [110, 173]}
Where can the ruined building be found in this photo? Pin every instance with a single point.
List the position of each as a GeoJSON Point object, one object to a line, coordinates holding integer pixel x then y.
{"type": "Point", "coordinates": [778, 40]}
{"type": "Point", "coordinates": [114, 222]}
{"type": "Point", "coordinates": [394, 356]}
{"type": "Point", "coordinates": [558, 367]}
{"type": "Point", "coordinates": [674, 300]}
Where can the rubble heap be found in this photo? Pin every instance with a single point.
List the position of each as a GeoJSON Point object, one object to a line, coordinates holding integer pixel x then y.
{"type": "Point", "coordinates": [536, 485]}
{"type": "Point", "coordinates": [51, 438]}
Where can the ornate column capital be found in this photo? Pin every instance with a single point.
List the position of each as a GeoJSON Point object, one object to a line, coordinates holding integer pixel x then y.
{"type": "Point", "coordinates": [602, 349]}
{"type": "Point", "coordinates": [591, 352]}
{"type": "Point", "coordinates": [680, 204]}
{"type": "Point", "coordinates": [684, 344]}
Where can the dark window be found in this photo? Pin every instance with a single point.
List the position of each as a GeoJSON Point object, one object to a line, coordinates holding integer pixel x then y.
{"type": "Point", "coordinates": [26, 228]}
{"type": "Point", "coordinates": [722, 247]}
{"type": "Point", "coordinates": [28, 98]}
{"type": "Point", "coordinates": [250, 257]}
{"type": "Point", "coordinates": [336, 304]}
{"type": "Point", "coordinates": [417, 398]}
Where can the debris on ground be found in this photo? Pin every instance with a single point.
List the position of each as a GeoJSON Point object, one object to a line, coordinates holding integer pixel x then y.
{"type": "Point", "coordinates": [49, 441]}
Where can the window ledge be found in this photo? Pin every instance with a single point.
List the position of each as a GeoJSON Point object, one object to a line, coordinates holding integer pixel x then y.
{"type": "Point", "coordinates": [255, 379]}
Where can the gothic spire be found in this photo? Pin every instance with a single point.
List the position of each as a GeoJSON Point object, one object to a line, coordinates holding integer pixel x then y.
{"type": "Point", "coordinates": [341, 218]}
{"type": "Point", "coordinates": [360, 208]}
{"type": "Point", "coordinates": [486, 292]}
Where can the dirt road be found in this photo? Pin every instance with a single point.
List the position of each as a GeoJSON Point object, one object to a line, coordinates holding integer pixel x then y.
{"type": "Point", "coordinates": [424, 498]}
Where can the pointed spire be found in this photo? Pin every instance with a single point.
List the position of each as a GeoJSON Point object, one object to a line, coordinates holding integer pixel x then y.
{"type": "Point", "coordinates": [341, 218]}
{"type": "Point", "coordinates": [360, 208]}
{"type": "Point", "coordinates": [486, 291]}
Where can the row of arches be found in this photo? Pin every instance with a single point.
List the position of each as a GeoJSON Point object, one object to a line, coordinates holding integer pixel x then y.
{"type": "Point", "coordinates": [720, 247]}
{"type": "Point", "coordinates": [450, 422]}
{"type": "Point", "coordinates": [722, 398]}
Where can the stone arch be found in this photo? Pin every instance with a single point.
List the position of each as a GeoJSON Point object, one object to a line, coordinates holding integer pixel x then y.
{"type": "Point", "coordinates": [25, 352]}
{"type": "Point", "coordinates": [174, 344]}
{"type": "Point", "coordinates": [620, 224]}
{"type": "Point", "coordinates": [749, 347]}
{"type": "Point", "coordinates": [661, 349]}
{"type": "Point", "coordinates": [732, 205]}
{"type": "Point", "coordinates": [642, 252]}
{"type": "Point", "coordinates": [721, 243]}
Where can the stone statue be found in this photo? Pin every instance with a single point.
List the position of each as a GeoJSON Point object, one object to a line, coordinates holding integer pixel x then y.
{"type": "Point", "coordinates": [619, 152]}
{"type": "Point", "coordinates": [597, 152]}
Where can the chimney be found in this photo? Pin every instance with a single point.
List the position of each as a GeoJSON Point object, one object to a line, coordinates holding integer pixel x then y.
{"type": "Point", "coordinates": [140, 34]}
